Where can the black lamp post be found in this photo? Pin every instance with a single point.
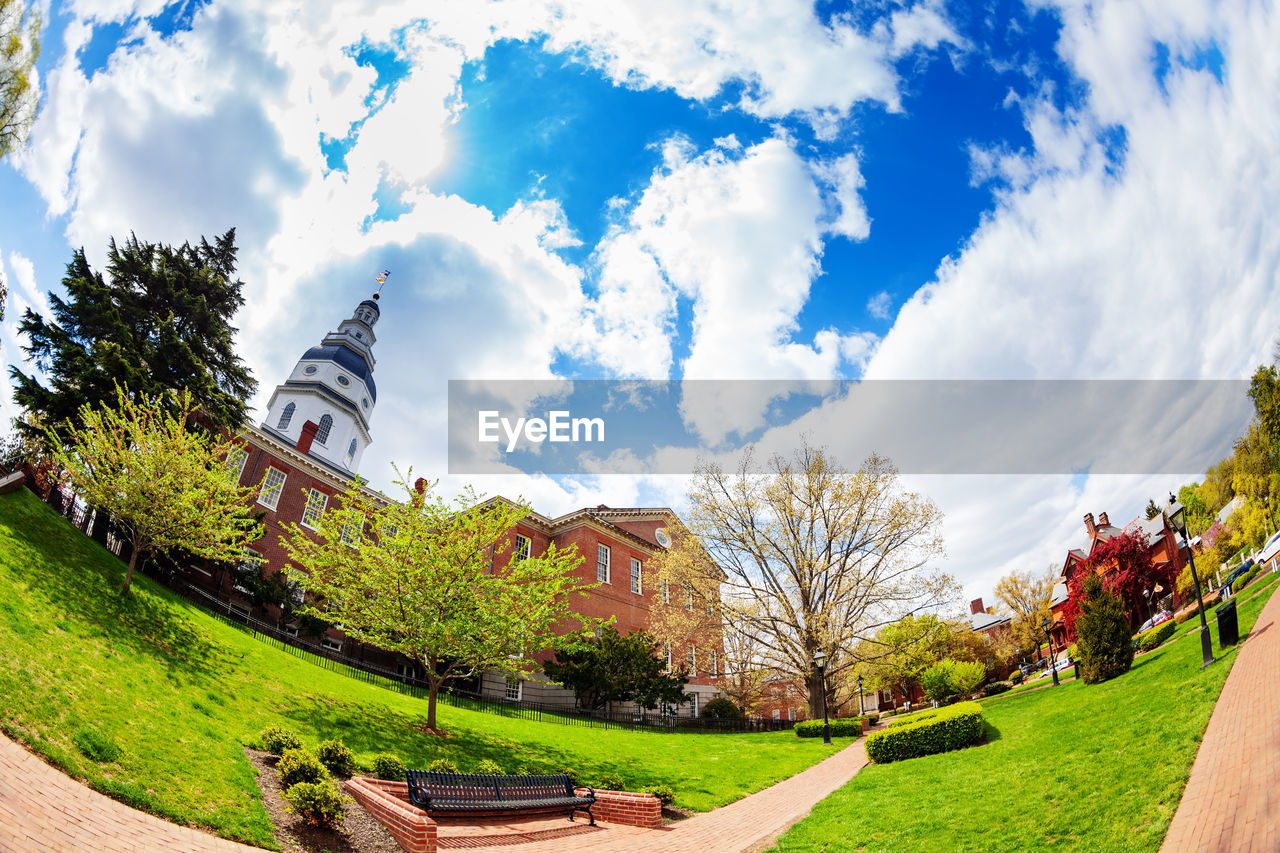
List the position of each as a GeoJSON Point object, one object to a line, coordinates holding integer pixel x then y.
{"type": "Point", "coordinates": [1177, 518]}
{"type": "Point", "coordinates": [862, 708]}
{"type": "Point", "coordinates": [1053, 666]}
{"type": "Point", "coordinates": [820, 661]}
{"type": "Point", "coordinates": [1146, 594]}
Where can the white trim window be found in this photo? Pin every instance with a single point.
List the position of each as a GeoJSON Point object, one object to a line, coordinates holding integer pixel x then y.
{"type": "Point", "coordinates": [777, 714]}
{"type": "Point", "coordinates": [665, 589]}
{"type": "Point", "coordinates": [713, 668]}
{"type": "Point", "coordinates": [236, 459]}
{"type": "Point", "coordinates": [688, 597]}
{"type": "Point", "coordinates": [636, 581]}
{"type": "Point", "coordinates": [286, 416]}
{"type": "Point", "coordinates": [693, 707]}
{"type": "Point", "coordinates": [515, 689]}
{"type": "Point", "coordinates": [323, 428]}
{"type": "Point", "coordinates": [330, 643]}
{"type": "Point", "coordinates": [666, 652]}
{"type": "Point", "coordinates": [693, 661]}
{"type": "Point", "coordinates": [314, 510]}
{"type": "Point", "coordinates": [272, 486]}
{"type": "Point", "coordinates": [252, 559]}
{"type": "Point", "coordinates": [524, 548]}
{"type": "Point", "coordinates": [602, 563]}
{"type": "Point", "coordinates": [791, 713]}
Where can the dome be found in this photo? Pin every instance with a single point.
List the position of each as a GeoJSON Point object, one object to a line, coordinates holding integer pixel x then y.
{"type": "Point", "coordinates": [346, 359]}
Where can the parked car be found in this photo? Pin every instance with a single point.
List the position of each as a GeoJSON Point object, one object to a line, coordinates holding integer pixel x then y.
{"type": "Point", "coordinates": [1063, 664]}
{"type": "Point", "coordinates": [1268, 551]}
{"type": "Point", "coordinates": [1159, 618]}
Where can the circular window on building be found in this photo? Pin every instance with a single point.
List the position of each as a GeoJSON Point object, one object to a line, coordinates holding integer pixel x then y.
{"type": "Point", "coordinates": [310, 369]}
{"type": "Point", "coordinates": [343, 381]}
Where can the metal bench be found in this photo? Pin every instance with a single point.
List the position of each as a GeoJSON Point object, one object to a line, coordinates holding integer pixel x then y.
{"type": "Point", "coordinates": [477, 794]}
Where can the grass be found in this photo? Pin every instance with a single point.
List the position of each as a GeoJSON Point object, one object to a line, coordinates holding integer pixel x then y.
{"type": "Point", "coordinates": [1074, 767]}
{"type": "Point", "coordinates": [149, 699]}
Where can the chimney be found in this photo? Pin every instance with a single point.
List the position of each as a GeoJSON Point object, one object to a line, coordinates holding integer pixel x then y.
{"type": "Point", "coordinates": [1102, 520]}
{"type": "Point", "coordinates": [1089, 525]}
{"type": "Point", "coordinates": [308, 435]}
{"type": "Point", "coordinates": [975, 606]}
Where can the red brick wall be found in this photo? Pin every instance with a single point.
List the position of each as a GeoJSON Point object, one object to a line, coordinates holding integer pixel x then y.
{"type": "Point", "coordinates": [626, 808]}
{"type": "Point", "coordinates": [389, 803]}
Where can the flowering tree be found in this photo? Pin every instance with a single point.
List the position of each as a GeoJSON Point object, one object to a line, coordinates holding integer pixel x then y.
{"type": "Point", "coordinates": [1125, 563]}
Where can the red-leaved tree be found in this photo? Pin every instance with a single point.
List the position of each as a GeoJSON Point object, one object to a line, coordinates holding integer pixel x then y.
{"type": "Point", "coordinates": [1125, 564]}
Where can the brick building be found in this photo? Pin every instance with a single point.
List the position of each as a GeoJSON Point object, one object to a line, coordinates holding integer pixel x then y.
{"type": "Point", "coordinates": [308, 449]}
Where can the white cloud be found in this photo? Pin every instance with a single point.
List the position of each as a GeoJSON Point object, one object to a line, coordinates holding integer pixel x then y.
{"type": "Point", "coordinates": [879, 305]}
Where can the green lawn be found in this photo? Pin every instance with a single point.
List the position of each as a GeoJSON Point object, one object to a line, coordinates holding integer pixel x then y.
{"type": "Point", "coordinates": [180, 692]}
{"type": "Point", "coordinates": [1074, 767]}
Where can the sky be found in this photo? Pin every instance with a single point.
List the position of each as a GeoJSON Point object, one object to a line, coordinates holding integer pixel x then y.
{"type": "Point", "coordinates": [749, 191]}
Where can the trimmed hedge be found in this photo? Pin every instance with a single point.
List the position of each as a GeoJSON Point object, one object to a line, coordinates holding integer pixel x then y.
{"type": "Point", "coordinates": [1153, 637]}
{"type": "Point", "coordinates": [996, 687]}
{"type": "Point", "coordinates": [317, 803]}
{"type": "Point", "coordinates": [1015, 677]}
{"type": "Point", "coordinates": [840, 727]}
{"type": "Point", "coordinates": [953, 727]}
{"type": "Point", "coordinates": [914, 717]}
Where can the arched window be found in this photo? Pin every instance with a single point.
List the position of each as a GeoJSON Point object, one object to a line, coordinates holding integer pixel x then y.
{"type": "Point", "coordinates": [286, 416]}
{"type": "Point", "coordinates": [351, 451]}
{"type": "Point", "coordinates": [326, 424]}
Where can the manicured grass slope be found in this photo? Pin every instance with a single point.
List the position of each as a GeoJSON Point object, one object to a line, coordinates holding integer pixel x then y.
{"type": "Point", "coordinates": [1075, 767]}
{"type": "Point", "coordinates": [180, 692]}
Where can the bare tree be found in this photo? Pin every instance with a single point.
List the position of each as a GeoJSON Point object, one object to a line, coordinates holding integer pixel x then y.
{"type": "Point", "coordinates": [1028, 596]}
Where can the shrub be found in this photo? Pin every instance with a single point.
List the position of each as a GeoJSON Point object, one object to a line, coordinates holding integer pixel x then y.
{"type": "Point", "coordinates": [954, 727]}
{"type": "Point", "coordinates": [387, 766]}
{"type": "Point", "coordinates": [840, 727]}
{"type": "Point", "coordinates": [1073, 652]}
{"type": "Point", "coordinates": [1156, 636]}
{"type": "Point", "coordinates": [721, 708]}
{"type": "Point", "coordinates": [298, 765]}
{"type": "Point", "coordinates": [1103, 633]}
{"type": "Point", "coordinates": [915, 717]}
{"type": "Point", "coordinates": [336, 758]}
{"type": "Point", "coordinates": [996, 687]}
{"type": "Point", "coordinates": [442, 765]}
{"type": "Point", "coordinates": [937, 681]}
{"type": "Point", "coordinates": [665, 795]}
{"type": "Point", "coordinates": [317, 803]}
{"type": "Point", "coordinates": [609, 782]}
{"type": "Point", "coordinates": [488, 767]}
{"type": "Point", "coordinates": [1015, 677]}
{"type": "Point", "coordinates": [276, 739]}
{"type": "Point", "coordinates": [871, 719]}
{"type": "Point", "coordinates": [96, 746]}
{"type": "Point", "coordinates": [567, 771]}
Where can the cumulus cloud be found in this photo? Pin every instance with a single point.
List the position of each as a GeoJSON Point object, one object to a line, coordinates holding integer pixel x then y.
{"type": "Point", "coordinates": [878, 306]}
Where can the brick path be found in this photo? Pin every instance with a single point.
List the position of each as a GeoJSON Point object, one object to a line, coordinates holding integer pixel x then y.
{"type": "Point", "coordinates": [44, 810]}
{"type": "Point", "coordinates": [1232, 801]}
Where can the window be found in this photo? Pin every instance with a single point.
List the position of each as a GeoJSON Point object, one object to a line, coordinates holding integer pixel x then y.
{"type": "Point", "coordinates": [777, 714]}
{"type": "Point", "coordinates": [326, 424]}
{"type": "Point", "coordinates": [694, 706]}
{"type": "Point", "coordinates": [688, 597]}
{"type": "Point", "coordinates": [351, 449]}
{"type": "Point", "coordinates": [523, 548]}
{"type": "Point", "coordinates": [714, 666]}
{"type": "Point", "coordinates": [251, 560]}
{"type": "Point", "coordinates": [791, 714]}
{"type": "Point", "coordinates": [349, 535]}
{"type": "Point", "coordinates": [406, 670]}
{"type": "Point", "coordinates": [515, 689]}
{"type": "Point", "coordinates": [693, 661]}
{"type": "Point", "coordinates": [343, 381]}
{"type": "Point", "coordinates": [310, 370]}
{"type": "Point", "coordinates": [331, 644]}
{"type": "Point", "coordinates": [666, 592]}
{"type": "Point", "coordinates": [602, 563]}
{"type": "Point", "coordinates": [286, 416]}
{"type": "Point", "coordinates": [314, 510]}
{"type": "Point", "coordinates": [272, 486]}
{"type": "Point", "coordinates": [635, 577]}
{"type": "Point", "coordinates": [236, 459]}
{"type": "Point", "coordinates": [666, 652]}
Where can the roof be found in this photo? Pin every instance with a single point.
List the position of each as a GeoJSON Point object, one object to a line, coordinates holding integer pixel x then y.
{"type": "Point", "coordinates": [346, 358]}
{"type": "Point", "coordinates": [986, 621]}
{"type": "Point", "coordinates": [1232, 505]}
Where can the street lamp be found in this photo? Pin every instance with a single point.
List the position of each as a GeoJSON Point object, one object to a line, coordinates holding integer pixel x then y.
{"type": "Point", "coordinates": [1053, 666]}
{"type": "Point", "coordinates": [862, 709]}
{"type": "Point", "coordinates": [820, 661]}
{"type": "Point", "coordinates": [1177, 518]}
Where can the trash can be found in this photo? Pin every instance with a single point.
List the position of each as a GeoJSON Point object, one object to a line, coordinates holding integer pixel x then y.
{"type": "Point", "coordinates": [1228, 624]}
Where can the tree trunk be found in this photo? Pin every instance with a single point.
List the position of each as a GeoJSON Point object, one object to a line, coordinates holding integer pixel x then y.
{"type": "Point", "coordinates": [433, 687]}
{"type": "Point", "coordinates": [128, 575]}
{"type": "Point", "coordinates": [815, 695]}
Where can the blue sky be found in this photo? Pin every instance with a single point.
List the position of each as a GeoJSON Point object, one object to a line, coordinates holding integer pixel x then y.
{"type": "Point", "coordinates": [922, 190]}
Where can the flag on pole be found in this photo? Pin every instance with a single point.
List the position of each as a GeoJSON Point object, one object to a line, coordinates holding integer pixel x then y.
{"type": "Point", "coordinates": [382, 279]}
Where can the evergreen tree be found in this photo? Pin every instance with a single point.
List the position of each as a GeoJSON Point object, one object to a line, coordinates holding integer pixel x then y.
{"type": "Point", "coordinates": [1102, 631]}
{"type": "Point", "coordinates": [159, 322]}
{"type": "Point", "coordinates": [618, 669]}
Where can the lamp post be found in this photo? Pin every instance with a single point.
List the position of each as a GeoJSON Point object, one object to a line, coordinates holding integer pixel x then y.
{"type": "Point", "coordinates": [1146, 594]}
{"type": "Point", "coordinates": [862, 708]}
{"type": "Point", "coordinates": [820, 661]}
{"type": "Point", "coordinates": [1177, 518]}
{"type": "Point", "coordinates": [1053, 666]}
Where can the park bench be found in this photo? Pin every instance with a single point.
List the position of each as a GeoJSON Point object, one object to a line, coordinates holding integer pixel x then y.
{"type": "Point", "coordinates": [457, 794]}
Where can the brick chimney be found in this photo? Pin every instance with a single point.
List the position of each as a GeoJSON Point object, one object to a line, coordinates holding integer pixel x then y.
{"type": "Point", "coordinates": [1089, 525]}
{"type": "Point", "coordinates": [1102, 520]}
{"type": "Point", "coordinates": [975, 606]}
{"type": "Point", "coordinates": [308, 435]}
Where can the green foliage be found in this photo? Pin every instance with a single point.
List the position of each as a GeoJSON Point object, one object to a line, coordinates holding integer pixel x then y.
{"type": "Point", "coordinates": [1015, 677]}
{"type": "Point", "coordinates": [298, 765]}
{"type": "Point", "coordinates": [871, 719]}
{"type": "Point", "coordinates": [664, 793]}
{"type": "Point", "coordinates": [1102, 633]}
{"type": "Point", "coordinates": [1153, 637]}
{"type": "Point", "coordinates": [840, 727]}
{"type": "Point", "coordinates": [96, 746]}
{"type": "Point", "coordinates": [276, 739]}
{"type": "Point", "coordinates": [442, 765]}
{"type": "Point", "coordinates": [1073, 652]}
{"type": "Point", "coordinates": [19, 93]}
{"type": "Point", "coordinates": [914, 717]}
{"type": "Point", "coordinates": [159, 324]}
{"type": "Point", "coordinates": [317, 803]}
{"type": "Point", "coordinates": [721, 708]}
{"type": "Point", "coordinates": [336, 758]}
{"type": "Point", "coordinates": [488, 768]}
{"type": "Point", "coordinates": [949, 678]}
{"type": "Point", "coordinates": [996, 687]}
{"type": "Point", "coordinates": [614, 668]}
{"type": "Point", "coordinates": [610, 782]}
{"type": "Point", "coordinates": [901, 652]}
{"type": "Point", "coordinates": [954, 727]}
{"type": "Point", "coordinates": [387, 766]}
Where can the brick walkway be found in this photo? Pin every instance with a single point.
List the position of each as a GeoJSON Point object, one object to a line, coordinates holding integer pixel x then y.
{"type": "Point", "coordinates": [1232, 801]}
{"type": "Point", "coordinates": [43, 809]}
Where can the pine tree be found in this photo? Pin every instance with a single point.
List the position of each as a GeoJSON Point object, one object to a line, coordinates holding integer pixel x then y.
{"type": "Point", "coordinates": [159, 322]}
{"type": "Point", "coordinates": [1102, 631]}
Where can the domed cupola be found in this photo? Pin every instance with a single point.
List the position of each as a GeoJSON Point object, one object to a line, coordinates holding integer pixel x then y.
{"type": "Point", "coordinates": [332, 386]}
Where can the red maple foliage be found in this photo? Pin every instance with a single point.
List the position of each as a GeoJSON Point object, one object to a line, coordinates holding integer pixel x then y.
{"type": "Point", "coordinates": [1126, 567]}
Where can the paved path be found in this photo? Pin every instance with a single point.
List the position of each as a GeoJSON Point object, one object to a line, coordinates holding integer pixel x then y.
{"type": "Point", "coordinates": [43, 810]}
{"type": "Point", "coordinates": [1232, 801]}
